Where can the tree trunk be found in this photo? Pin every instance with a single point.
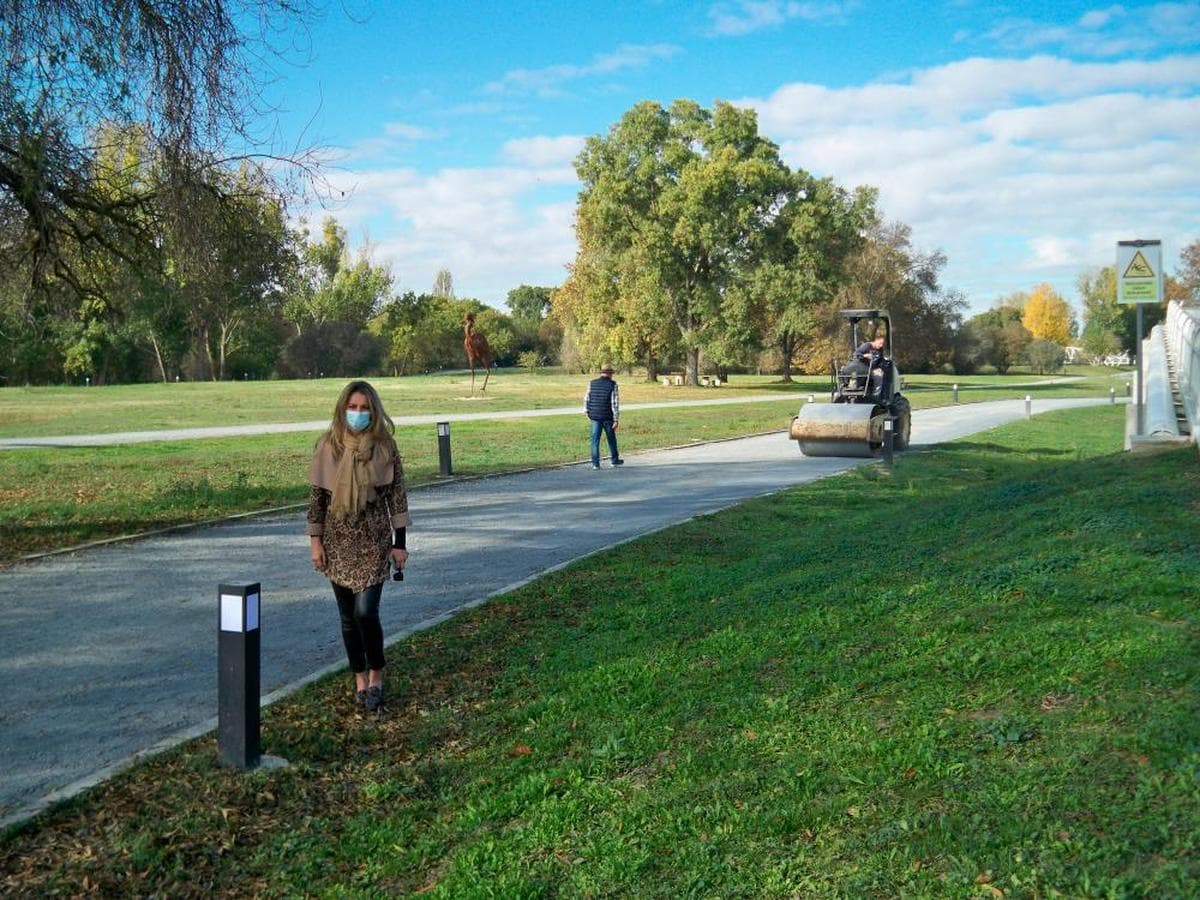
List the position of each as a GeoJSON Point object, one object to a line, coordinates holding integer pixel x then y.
{"type": "Point", "coordinates": [208, 356]}
{"type": "Point", "coordinates": [786, 348]}
{"type": "Point", "coordinates": [693, 367]}
{"type": "Point", "coordinates": [225, 335]}
{"type": "Point", "coordinates": [162, 369]}
{"type": "Point", "coordinates": [651, 367]}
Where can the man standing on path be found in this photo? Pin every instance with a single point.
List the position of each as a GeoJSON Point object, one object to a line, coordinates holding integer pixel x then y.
{"type": "Point", "coordinates": [602, 403]}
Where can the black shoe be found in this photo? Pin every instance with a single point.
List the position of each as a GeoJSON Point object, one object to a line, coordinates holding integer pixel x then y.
{"type": "Point", "coordinates": [618, 462]}
{"type": "Point", "coordinates": [360, 697]}
{"type": "Point", "coordinates": [374, 698]}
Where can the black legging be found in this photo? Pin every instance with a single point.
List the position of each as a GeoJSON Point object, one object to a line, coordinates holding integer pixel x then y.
{"type": "Point", "coordinates": [361, 632]}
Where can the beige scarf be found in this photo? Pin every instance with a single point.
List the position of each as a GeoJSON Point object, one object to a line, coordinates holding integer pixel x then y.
{"type": "Point", "coordinates": [352, 477]}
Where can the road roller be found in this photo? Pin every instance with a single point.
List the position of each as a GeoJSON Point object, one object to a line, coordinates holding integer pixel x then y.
{"type": "Point", "coordinates": [864, 395]}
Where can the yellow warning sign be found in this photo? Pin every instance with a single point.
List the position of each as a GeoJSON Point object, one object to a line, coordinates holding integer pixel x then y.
{"type": "Point", "coordinates": [1138, 267]}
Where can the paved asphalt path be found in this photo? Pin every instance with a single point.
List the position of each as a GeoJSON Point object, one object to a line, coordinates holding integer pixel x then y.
{"type": "Point", "coordinates": [110, 652]}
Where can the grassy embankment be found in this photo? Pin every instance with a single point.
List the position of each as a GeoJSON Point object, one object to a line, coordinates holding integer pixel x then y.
{"type": "Point", "coordinates": [59, 497]}
{"type": "Point", "coordinates": [981, 683]}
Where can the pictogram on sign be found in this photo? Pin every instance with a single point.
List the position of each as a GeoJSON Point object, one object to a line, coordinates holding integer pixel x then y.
{"type": "Point", "coordinates": [1138, 267]}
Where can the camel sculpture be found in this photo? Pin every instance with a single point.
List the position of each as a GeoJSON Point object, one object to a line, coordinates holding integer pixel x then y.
{"type": "Point", "coordinates": [478, 351]}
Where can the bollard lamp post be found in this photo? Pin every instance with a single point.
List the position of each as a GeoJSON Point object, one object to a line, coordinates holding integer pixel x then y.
{"type": "Point", "coordinates": [238, 644]}
{"type": "Point", "coordinates": [443, 436]}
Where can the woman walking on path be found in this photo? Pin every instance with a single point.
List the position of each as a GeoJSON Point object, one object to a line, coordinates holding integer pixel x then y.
{"type": "Point", "coordinates": [357, 521]}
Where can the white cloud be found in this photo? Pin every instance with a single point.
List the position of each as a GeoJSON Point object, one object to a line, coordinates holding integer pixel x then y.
{"type": "Point", "coordinates": [543, 151]}
{"type": "Point", "coordinates": [980, 155]}
{"type": "Point", "coordinates": [1107, 32]}
{"type": "Point", "coordinates": [406, 132]}
{"type": "Point", "coordinates": [1020, 170]}
{"type": "Point", "coordinates": [548, 81]}
{"type": "Point", "coordinates": [396, 136]}
{"type": "Point", "coordinates": [746, 16]}
{"type": "Point", "coordinates": [1053, 252]}
{"type": "Point", "coordinates": [493, 228]}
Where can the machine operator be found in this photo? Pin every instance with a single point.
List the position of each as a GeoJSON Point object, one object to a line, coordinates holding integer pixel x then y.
{"type": "Point", "coordinates": [870, 353]}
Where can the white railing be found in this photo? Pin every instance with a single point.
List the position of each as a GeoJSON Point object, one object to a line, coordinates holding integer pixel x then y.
{"type": "Point", "coordinates": [1157, 396]}
{"type": "Point", "coordinates": [1183, 343]}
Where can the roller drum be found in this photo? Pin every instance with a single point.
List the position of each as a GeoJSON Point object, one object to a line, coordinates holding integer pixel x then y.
{"type": "Point", "coordinates": [838, 429]}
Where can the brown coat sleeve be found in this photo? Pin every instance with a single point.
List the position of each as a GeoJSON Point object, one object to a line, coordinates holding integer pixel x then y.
{"type": "Point", "coordinates": [396, 495]}
{"type": "Point", "coordinates": [318, 506]}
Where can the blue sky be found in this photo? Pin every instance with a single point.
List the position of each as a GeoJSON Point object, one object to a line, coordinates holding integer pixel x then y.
{"type": "Point", "coordinates": [1023, 140]}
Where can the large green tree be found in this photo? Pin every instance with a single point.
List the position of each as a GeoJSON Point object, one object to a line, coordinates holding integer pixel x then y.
{"type": "Point", "coordinates": [333, 285]}
{"type": "Point", "coordinates": [424, 332]}
{"type": "Point", "coordinates": [528, 303]}
{"type": "Point", "coordinates": [1110, 326]}
{"type": "Point", "coordinates": [670, 203]}
{"type": "Point", "coordinates": [995, 337]}
{"type": "Point", "coordinates": [1103, 326]}
{"type": "Point", "coordinates": [803, 259]}
{"type": "Point", "coordinates": [613, 309]}
{"type": "Point", "coordinates": [229, 262]}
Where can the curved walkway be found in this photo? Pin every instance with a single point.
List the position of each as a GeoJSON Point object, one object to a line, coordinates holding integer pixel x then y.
{"type": "Point", "coordinates": [129, 630]}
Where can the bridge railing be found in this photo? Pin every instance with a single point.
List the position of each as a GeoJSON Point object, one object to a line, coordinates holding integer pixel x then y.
{"type": "Point", "coordinates": [1183, 343]}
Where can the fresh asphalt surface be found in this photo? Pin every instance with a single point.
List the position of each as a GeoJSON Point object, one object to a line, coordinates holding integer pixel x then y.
{"type": "Point", "coordinates": [110, 651]}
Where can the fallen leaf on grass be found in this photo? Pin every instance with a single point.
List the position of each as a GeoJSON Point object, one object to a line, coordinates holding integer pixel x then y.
{"type": "Point", "coordinates": [520, 749]}
{"type": "Point", "coordinates": [1052, 702]}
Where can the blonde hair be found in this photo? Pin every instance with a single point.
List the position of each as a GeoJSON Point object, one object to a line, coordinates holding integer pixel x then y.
{"type": "Point", "coordinates": [380, 427]}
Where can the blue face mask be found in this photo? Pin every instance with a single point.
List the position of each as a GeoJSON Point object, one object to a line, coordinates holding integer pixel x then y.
{"type": "Point", "coordinates": [358, 419]}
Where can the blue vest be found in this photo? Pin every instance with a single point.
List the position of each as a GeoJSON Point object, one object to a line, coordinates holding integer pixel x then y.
{"type": "Point", "coordinates": [599, 399]}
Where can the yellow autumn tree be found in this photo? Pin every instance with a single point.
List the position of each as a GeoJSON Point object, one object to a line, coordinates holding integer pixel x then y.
{"type": "Point", "coordinates": [1047, 315]}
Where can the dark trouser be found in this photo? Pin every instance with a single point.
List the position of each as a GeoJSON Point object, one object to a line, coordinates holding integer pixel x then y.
{"type": "Point", "coordinates": [361, 632]}
{"type": "Point", "coordinates": [607, 427]}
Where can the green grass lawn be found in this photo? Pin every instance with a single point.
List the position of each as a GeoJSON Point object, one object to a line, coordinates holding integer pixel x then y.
{"type": "Point", "coordinates": [27, 412]}
{"type": "Point", "coordinates": [42, 411]}
{"type": "Point", "coordinates": [974, 677]}
{"type": "Point", "coordinates": [52, 498]}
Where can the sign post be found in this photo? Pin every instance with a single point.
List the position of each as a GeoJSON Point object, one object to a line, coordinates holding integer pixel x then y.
{"type": "Point", "coordinates": [1139, 281]}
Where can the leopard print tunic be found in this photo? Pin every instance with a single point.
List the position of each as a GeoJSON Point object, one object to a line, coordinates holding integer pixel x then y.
{"type": "Point", "coordinates": [356, 549]}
